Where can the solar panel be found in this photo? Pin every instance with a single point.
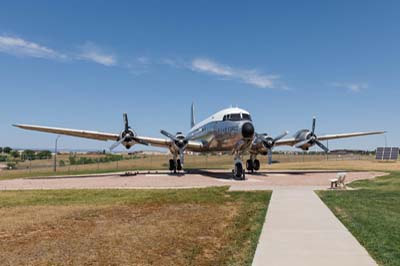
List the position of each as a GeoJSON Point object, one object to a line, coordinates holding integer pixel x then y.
{"type": "Point", "coordinates": [379, 153]}
{"type": "Point", "coordinates": [387, 153]}
{"type": "Point", "coordinates": [395, 154]}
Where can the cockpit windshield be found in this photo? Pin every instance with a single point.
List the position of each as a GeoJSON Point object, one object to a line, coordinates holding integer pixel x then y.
{"type": "Point", "coordinates": [246, 117]}
{"type": "Point", "coordinates": [236, 117]}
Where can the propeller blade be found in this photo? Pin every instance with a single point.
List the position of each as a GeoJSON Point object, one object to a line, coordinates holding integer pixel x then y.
{"type": "Point", "coordinates": [115, 144]}
{"type": "Point", "coordinates": [269, 156]}
{"type": "Point", "coordinates": [313, 125]}
{"type": "Point", "coordinates": [281, 136]}
{"type": "Point", "coordinates": [301, 143]}
{"type": "Point", "coordinates": [169, 135]}
{"type": "Point", "coordinates": [322, 146]}
{"type": "Point", "coordinates": [181, 156]}
{"type": "Point", "coordinates": [125, 116]}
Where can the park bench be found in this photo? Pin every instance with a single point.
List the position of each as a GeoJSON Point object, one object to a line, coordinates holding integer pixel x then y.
{"type": "Point", "coordinates": [338, 181]}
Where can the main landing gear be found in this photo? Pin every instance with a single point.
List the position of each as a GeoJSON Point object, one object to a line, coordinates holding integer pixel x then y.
{"type": "Point", "coordinates": [252, 165]}
{"type": "Point", "coordinates": [175, 165]}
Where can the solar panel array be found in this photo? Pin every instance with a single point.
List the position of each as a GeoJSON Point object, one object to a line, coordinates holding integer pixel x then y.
{"type": "Point", "coordinates": [387, 153]}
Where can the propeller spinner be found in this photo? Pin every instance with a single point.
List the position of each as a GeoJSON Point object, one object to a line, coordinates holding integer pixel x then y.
{"type": "Point", "coordinates": [179, 140]}
{"type": "Point", "coordinates": [128, 135]}
{"type": "Point", "coordinates": [269, 143]}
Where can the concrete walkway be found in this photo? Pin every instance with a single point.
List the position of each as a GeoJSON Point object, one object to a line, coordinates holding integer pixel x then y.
{"type": "Point", "coordinates": [301, 230]}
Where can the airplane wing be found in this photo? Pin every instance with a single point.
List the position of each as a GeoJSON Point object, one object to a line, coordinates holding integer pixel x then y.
{"type": "Point", "coordinates": [293, 141]}
{"type": "Point", "coordinates": [158, 142]}
{"type": "Point", "coordinates": [72, 132]}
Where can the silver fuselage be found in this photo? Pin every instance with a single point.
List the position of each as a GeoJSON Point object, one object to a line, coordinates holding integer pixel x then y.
{"type": "Point", "coordinates": [218, 136]}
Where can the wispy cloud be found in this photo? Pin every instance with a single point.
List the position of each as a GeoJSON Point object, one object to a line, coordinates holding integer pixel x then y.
{"type": "Point", "coordinates": [20, 47]}
{"type": "Point", "coordinates": [93, 53]}
{"type": "Point", "coordinates": [248, 76]}
{"type": "Point", "coordinates": [139, 65]}
{"type": "Point", "coordinates": [353, 87]}
{"type": "Point", "coordinates": [143, 60]}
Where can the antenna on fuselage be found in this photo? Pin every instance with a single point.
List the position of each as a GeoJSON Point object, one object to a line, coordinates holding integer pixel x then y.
{"type": "Point", "coordinates": [192, 118]}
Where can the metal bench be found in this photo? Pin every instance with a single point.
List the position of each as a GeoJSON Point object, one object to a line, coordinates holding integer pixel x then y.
{"type": "Point", "coordinates": [338, 182]}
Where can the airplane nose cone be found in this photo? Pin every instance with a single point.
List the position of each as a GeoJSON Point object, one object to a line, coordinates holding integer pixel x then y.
{"type": "Point", "coordinates": [247, 130]}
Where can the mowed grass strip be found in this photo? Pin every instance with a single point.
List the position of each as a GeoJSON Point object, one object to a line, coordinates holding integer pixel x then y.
{"type": "Point", "coordinates": [43, 168]}
{"type": "Point", "coordinates": [208, 226]}
{"type": "Point", "coordinates": [372, 214]}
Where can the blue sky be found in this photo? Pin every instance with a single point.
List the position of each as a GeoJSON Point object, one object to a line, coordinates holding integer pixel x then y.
{"type": "Point", "coordinates": [81, 64]}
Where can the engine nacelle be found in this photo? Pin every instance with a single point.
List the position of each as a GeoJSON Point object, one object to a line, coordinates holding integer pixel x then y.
{"type": "Point", "coordinates": [303, 135]}
{"type": "Point", "coordinates": [261, 144]}
{"type": "Point", "coordinates": [129, 138]}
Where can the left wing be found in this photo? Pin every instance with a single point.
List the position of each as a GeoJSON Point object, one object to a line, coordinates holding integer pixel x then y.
{"type": "Point", "coordinates": [293, 141]}
{"type": "Point", "coordinates": [165, 143]}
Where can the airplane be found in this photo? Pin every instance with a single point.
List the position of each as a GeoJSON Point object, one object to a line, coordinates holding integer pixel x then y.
{"type": "Point", "coordinates": [230, 129]}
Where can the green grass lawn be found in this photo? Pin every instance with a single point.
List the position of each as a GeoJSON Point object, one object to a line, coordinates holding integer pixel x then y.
{"type": "Point", "coordinates": [209, 226]}
{"type": "Point", "coordinates": [372, 214]}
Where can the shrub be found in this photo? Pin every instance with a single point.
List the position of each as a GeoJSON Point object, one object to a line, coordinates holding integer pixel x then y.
{"type": "Point", "coordinates": [11, 165]}
{"type": "Point", "coordinates": [14, 154]}
{"type": "Point", "coordinates": [29, 155]}
{"type": "Point", "coordinates": [7, 149]}
{"type": "Point", "coordinates": [44, 155]}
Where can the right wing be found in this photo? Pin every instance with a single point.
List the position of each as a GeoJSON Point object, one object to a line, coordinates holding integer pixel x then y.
{"type": "Point", "coordinates": [72, 132]}
{"type": "Point", "coordinates": [165, 143]}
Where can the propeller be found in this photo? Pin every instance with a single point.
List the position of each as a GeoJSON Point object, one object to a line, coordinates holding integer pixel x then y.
{"type": "Point", "coordinates": [127, 135]}
{"type": "Point", "coordinates": [269, 143]}
{"type": "Point", "coordinates": [179, 140]}
{"type": "Point", "coordinates": [312, 139]}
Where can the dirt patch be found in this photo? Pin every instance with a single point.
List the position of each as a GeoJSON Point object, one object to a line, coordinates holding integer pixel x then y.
{"type": "Point", "coordinates": [153, 234]}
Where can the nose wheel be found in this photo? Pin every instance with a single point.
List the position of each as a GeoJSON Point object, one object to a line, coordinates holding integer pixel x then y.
{"type": "Point", "coordinates": [238, 172]}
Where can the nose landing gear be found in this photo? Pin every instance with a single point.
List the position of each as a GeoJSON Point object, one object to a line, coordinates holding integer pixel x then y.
{"type": "Point", "coordinates": [238, 172]}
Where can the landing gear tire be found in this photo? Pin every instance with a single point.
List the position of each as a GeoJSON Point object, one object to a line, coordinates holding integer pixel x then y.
{"type": "Point", "coordinates": [250, 166]}
{"type": "Point", "coordinates": [238, 172]}
{"type": "Point", "coordinates": [172, 166]}
{"type": "Point", "coordinates": [256, 165]}
{"type": "Point", "coordinates": [179, 165]}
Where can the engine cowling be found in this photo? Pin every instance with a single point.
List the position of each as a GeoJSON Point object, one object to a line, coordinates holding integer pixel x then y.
{"type": "Point", "coordinates": [301, 136]}
{"type": "Point", "coordinates": [264, 143]}
{"type": "Point", "coordinates": [306, 138]}
{"type": "Point", "coordinates": [129, 138]}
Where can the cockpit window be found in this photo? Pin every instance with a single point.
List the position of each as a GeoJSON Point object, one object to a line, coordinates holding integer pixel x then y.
{"type": "Point", "coordinates": [235, 117]}
{"type": "Point", "coordinates": [246, 117]}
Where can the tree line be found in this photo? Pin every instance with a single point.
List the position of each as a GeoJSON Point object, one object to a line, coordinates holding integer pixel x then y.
{"type": "Point", "coordinates": [6, 152]}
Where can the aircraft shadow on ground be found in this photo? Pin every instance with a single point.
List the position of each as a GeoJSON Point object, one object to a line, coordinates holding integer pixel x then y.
{"type": "Point", "coordinates": [217, 174]}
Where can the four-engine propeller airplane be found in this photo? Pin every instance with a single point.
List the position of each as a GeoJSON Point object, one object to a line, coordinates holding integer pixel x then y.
{"type": "Point", "coordinates": [230, 129]}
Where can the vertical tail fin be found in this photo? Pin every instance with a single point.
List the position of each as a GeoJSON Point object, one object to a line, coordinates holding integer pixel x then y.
{"type": "Point", "coordinates": [192, 119]}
